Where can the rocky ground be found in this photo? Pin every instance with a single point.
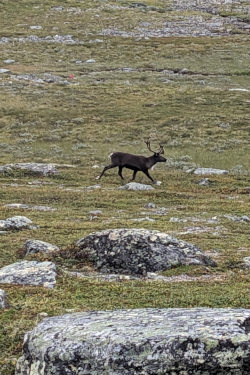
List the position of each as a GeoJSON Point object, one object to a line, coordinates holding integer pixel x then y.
{"type": "Point", "coordinates": [81, 79]}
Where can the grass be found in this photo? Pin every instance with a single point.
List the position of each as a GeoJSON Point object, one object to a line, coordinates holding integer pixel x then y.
{"type": "Point", "coordinates": [106, 108]}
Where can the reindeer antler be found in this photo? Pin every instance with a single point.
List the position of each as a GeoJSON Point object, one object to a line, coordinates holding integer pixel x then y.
{"type": "Point", "coordinates": [161, 150]}
{"type": "Point", "coordinates": [148, 145]}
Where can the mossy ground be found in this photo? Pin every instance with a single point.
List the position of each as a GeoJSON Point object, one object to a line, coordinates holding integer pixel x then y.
{"type": "Point", "coordinates": [103, 109]}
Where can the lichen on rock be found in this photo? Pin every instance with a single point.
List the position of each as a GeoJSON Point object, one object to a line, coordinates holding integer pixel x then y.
{"type": "Point", "coordinates": [137, 251]}
{"type": "Point", "coordinates": [197, 341]}
{"type": "Point", "coordinates": [29, 273]}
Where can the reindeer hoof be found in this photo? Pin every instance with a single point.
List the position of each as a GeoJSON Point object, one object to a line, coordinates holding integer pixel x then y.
{"type": "Point", "coordinates": [158, 183]}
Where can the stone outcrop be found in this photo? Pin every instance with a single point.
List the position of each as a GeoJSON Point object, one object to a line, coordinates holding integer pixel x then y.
{"type": "Point", "coordinates": [15, 223]}
{"type": "Point", "coordinates": [37, 246]}
{"type": "Point", "coordinates": [198, 341]}
{"type": "Point", "coordinates": [137, 251]}
{"type": "Point", "coordinates": [29, 273]}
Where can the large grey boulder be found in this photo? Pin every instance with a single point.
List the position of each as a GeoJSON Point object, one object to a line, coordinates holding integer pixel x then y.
{"type": "Point", "coordinates": [37, 246]}
{"type": "Point", "coordinates": [137, 251]}
{"type": "Point", "coordinates": [198, 341]}
{"type": "Point", "coordinates": [15, 223]}
{"type": "Point", "coordinates": [3, 303]}
{"type": "Point", "coordinates": [29, 273]}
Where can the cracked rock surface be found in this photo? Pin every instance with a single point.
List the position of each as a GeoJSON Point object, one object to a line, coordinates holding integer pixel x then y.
{"type": "Point", "coordinates": [29, 273]}
{"type": "Point", "coordinates": [137, 251]}
{"type": "Point", "coordinates": [198, 341]}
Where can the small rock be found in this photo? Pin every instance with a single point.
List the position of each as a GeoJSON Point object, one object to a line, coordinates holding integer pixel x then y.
{"type": "Point", "coordinates": [36, 168]}
{"type": "Point", "coordinates": [4, 71]}
{"type": "Point", "coordinates": [21, 206]}
{"type": "Point", "coordinates": [136, 186]}
{"type": "Point", "coordinates": [90, 61]}
{"type": "Point", "coordinates": [29, 273]}
{"type": "Point", "coordinates": [246, 261]}
{"type": "Point", "coordinates": [9, 61]}
{"type": "Point", "coordinates": [93, 187]}
{"type": "Point", "coordinates": [150, 205]}
{"type": "Point", "coordinates": [95, 214]}
{"type": "Point", "coordinates": [146, 218]}
{"type": "Point", "coordinates": [37, 246]}
{"type": "Point", "coordinates": [204, 182]}
{"type": "Point", "coordinates": [202, 171]}
{"type": "Point", "coordinates": [42, 314]}
{"type": "Point", "coordinates": [243, 218]}
{"type": "Point", "coordinates": [239, 89]}
{"type": "Point", "coordinates": [3, 303]}
{"type": "Point", "coordinates": [36, 27]}
{"type": "Point", "coordinates": [17, 206]}
{"type": "Point", "coordinates": [177, 220]}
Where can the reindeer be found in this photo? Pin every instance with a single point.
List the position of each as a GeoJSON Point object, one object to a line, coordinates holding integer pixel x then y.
{"type": "Point", "coordinates": [135, 162]}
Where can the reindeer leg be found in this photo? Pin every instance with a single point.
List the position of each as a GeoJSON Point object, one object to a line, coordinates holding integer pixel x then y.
{"type": "Point", "coordinates": [134, 174]}
{"type": "Point", "coordinates": [120, 173]}
{"type": "Point", "coordinates": [105, 169]}
{"type": "Point", "coordinates": [147, 174]}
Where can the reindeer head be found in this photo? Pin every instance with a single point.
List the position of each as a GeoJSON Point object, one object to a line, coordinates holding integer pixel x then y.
{"type": "Point", "coordinates": [157, 154]}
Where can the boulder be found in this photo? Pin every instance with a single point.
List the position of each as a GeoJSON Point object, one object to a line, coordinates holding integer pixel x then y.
{"type": "Point", "coordinates": [136, 186]}
{"type": "Point", "coordinates": [137, 251]}
{"type": "Point", "coordinates": [15, 223]}
{"type": "Point", "coordinates": [37, 246]}
{"type": "Point", "coordinates": [29, 273]}
{"type": "Point", "coordinates": [3, 303]}
{"type": "Point", "coordinates": [197, 341]}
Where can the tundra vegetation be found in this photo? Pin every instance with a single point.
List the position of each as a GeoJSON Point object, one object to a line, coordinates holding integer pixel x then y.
{"type": "Point", "coordinates": [86, 78]}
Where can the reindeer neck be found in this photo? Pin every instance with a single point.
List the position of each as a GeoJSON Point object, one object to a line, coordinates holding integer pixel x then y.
{"type": "Point", "coordinates": [151, 161]}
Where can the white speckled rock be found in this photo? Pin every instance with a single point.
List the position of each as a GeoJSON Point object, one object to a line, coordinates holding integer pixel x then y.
{"type": "Point", "coordinates": [137, 251]}
{"type": "Point", "coordinates": [136, 186]}
{"type": "Point", "coordinates": [29, 273]}
{"type": "Point", "coordinates": [37, 246]}
{"type": "Point", "coordinates": [198, 341]}
{"type": "Point", "coordinates": [15, 223]}
{"type": "Point", "coordinates": [204, 171]}
{"type": "Point", "coordinates": [3, 303]}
